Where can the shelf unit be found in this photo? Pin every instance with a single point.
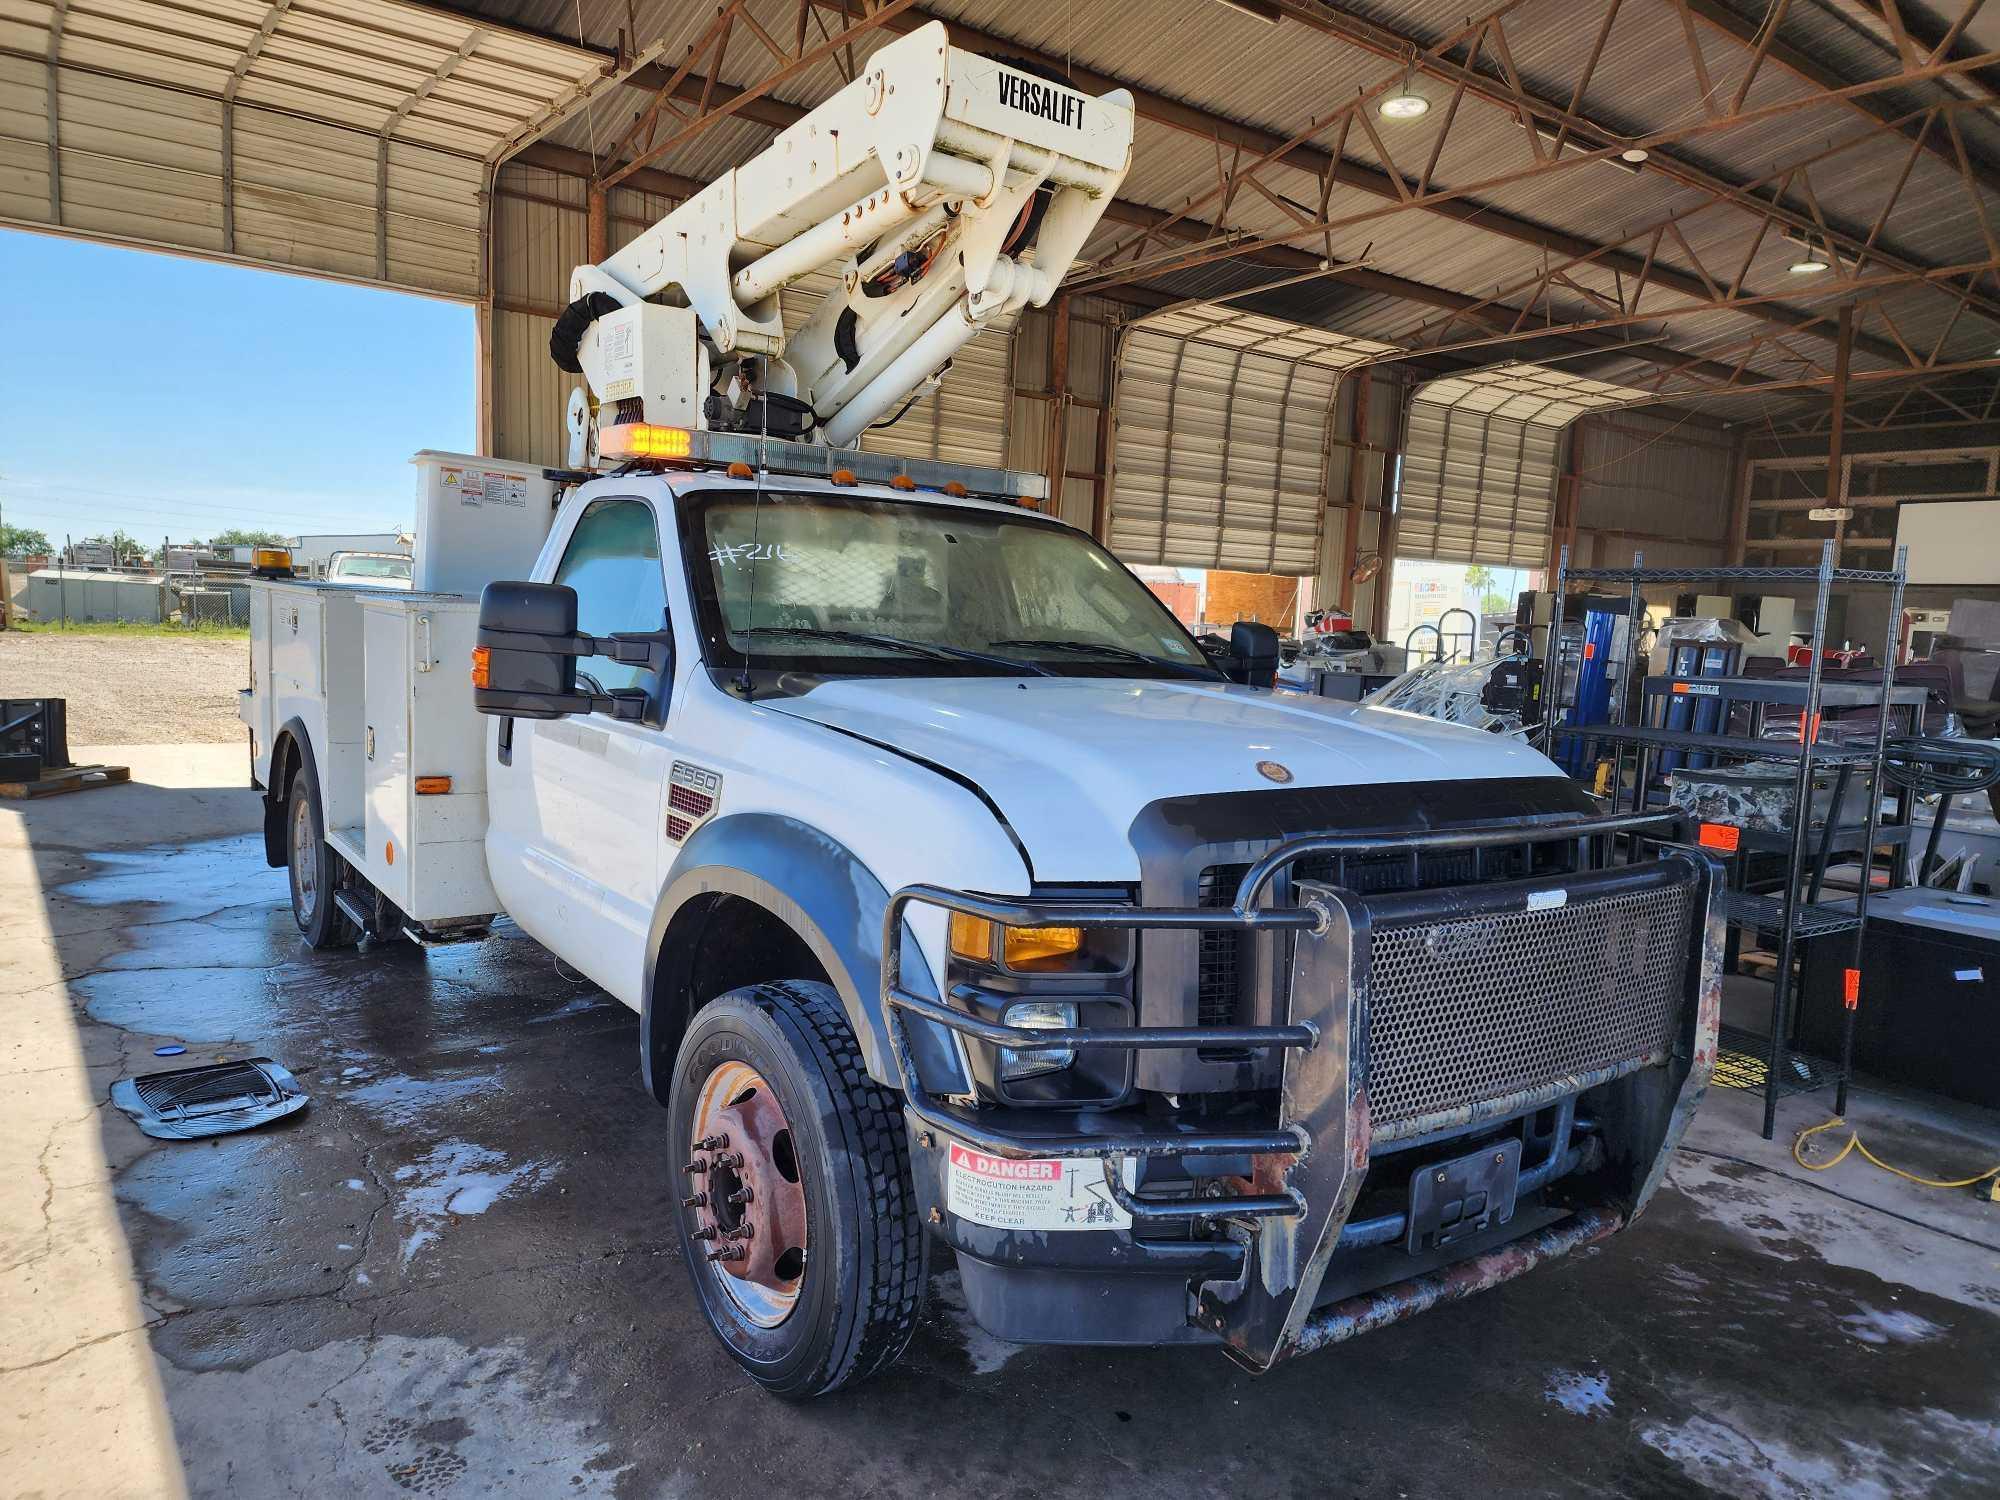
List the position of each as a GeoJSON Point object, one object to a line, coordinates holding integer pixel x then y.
{"type": "Point", "coordinates": [1793, 915]}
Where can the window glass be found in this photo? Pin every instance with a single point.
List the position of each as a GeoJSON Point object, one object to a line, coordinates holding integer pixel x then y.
{"type": "Point", "coordinates": [356, 565]}
{"type": "Point", "coordinates": [613, 563]}
{"type": "Point", "coordinates": [1015, 589]}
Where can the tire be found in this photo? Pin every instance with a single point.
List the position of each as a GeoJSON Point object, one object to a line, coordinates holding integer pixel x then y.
{"type": "Point", "coordinates": [866, 1258]}
{"type": "Point", "coordinates": [311, 868]}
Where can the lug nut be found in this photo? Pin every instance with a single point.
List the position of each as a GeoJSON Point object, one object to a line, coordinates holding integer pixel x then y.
{"type": "Point", "coordinates": [711, 1143]}
{"type": "Point", "coordinates": [741, 1195]}
{"type": "Point", "coordinates": [740, 1232]}
{"type": "Point", "coordinates": [729, 1252]}
{"type": "Point", "coordinates": [729, 1159]}
{"type": "Point", "coordinates": [706, 1232]}
{"type": "Point", "coordinates": [695, 1200]}
{"type": "Point", "coordinates": [695, 1167]}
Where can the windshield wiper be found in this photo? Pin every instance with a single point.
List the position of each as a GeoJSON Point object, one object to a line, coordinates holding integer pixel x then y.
{"type": "Point", "coordinates": [896, 643]}
{"type": "Point", "coordinates": [1105, 648]}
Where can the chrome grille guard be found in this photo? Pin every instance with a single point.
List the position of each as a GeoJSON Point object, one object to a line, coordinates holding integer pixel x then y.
{"type": "Point", "coordinates": [1307, 1169]}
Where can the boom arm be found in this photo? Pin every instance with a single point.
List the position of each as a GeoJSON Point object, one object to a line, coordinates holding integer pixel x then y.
{"type": "Point", "coordinates": [943, 189]}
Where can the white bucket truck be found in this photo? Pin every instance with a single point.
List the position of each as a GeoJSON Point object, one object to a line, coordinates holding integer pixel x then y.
{"type": "Point", "coordinates": [960, 895]}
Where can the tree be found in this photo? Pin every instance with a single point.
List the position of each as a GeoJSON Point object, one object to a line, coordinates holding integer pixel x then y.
{"type": "Point", "coordinates": [126, 549]}
{"type": "Point", "coordinates": [1495, 604]}
{"type": "Point", "coordinates": [23, 541]}
{"type": "Point", "coordinates": [243, 536]}
{"type": "Point", "coordinates": [1479, 578]}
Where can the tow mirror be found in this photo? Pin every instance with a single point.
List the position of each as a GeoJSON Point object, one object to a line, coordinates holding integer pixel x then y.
{"type": "Point", "coordinates": [1253, 654]}
{"type": "Point", "coordinates": [525, 664]}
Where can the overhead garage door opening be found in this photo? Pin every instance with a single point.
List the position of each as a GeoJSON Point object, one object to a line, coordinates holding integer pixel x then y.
{"type": "Point", "coordinates": [1224, 428]}
{"type": "Point", "coordinates": [207, 398]}
{"type": "Point", "coordinates": [1474, 495]}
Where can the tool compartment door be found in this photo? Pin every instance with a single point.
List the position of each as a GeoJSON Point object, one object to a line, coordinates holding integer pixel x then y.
{"type": "Point", "coordinates": [424, 850]}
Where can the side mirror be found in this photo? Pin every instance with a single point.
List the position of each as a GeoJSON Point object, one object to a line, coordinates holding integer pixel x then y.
{"type": "Point", "coordinates": [525, 666]}
{"type": "Point", "coordinates": [1253, 654]}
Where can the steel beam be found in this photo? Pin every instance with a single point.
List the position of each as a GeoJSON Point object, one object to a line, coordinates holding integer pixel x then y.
{"type": "Point", "coordinates": [1591, 133]}
{"type": "Point", "coordinates": [1744, 31]}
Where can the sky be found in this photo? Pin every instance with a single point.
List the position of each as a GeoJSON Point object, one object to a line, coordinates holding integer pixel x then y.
{"type": "Point", "coordinates": [160, 395]}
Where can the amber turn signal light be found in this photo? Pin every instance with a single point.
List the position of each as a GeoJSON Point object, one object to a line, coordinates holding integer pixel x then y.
{"type": "Point", "coordinates": [482, 666]}
{"type": "Point", "coordinates": [1019, 947]}
{"type": "Point", "coordinates": [433, 786]}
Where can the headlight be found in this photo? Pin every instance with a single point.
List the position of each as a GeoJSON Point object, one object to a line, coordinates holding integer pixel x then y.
{"type": "Point", "coordinates": [1019, 948]}
{"type": "Point", "coordinates": [1037, 1015]}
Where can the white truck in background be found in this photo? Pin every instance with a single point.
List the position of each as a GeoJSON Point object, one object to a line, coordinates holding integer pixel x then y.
{"type": "Point", "coordinates": [960, 895]}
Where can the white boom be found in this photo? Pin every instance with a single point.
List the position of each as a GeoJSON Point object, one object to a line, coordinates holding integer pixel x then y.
{"type": "Point", "coordinates": [946, 189]}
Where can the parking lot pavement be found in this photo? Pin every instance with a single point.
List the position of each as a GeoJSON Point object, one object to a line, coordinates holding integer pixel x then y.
{"type": "Point", "coordinates": [453, 1275]}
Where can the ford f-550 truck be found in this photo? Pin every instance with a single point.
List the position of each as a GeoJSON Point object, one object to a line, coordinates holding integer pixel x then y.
{"type": "Point", "coordinates": [962, 898]}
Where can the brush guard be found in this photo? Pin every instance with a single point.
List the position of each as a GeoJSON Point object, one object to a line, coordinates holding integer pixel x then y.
{"type": "Point", "coordinates": [1308, 1168]}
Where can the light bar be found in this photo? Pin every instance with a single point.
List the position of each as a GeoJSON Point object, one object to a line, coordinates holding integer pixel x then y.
{"type": "Point", "coordinates": [643, 440]}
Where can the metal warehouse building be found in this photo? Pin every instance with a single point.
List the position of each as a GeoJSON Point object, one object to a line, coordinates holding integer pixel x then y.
{"type": "Point", "coordinates": [1571, 285]}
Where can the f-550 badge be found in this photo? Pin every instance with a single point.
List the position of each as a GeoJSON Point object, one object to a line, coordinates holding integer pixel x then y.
{"type": "Point", "coordinates": [693, 794]}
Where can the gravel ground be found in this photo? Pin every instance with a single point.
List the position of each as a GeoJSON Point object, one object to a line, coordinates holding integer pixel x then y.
{"type": "Point", "coordinates": [131, 689]}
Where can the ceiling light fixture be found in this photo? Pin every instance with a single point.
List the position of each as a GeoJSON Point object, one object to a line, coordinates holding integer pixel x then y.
{"type": "Point", "coordinates": [1404, 105]}
{"type": "Point", "coordinates": [1812, 265]}
{"type": "Point", "coordinates": [1634, 154]}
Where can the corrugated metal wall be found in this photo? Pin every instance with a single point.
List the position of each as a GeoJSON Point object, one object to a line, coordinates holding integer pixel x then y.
{"type": "Point", "coordinates": [1662, 485]}
{"type": "Point", "coordinates": [1221, 456]}
{"type": "Point", "coordinates": [1093, 324]}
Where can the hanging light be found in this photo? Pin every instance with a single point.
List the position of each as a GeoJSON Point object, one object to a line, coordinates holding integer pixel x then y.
{"type": "Point", "coordinates": [1635, 154]}
{"type": "Point", "coordinates": [1403, 105]}
{"type": "Point", "coordinates": [1810, 265]}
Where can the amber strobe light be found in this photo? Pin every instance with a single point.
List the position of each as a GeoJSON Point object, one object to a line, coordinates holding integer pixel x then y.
{"type": "Point", "coordinates": [433, 786]}
{"type": "Point", "coordinates": [482, 667]}
{"type": "Point", "coordinates": [1020, 947]}
{"type": "Point", "coordinates": [643, 440]}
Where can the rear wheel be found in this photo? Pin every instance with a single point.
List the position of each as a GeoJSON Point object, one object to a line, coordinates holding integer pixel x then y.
{"type": "Point", "coordinates": [798, 1218]}
{"type": "Point", "coordinates": [312, 867]}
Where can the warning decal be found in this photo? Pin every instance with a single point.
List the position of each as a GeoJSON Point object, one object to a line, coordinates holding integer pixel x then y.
{"type": "Point", "coordinates": [504, 489]}
{"type": "Point", "coordinates": [1004, 1192]}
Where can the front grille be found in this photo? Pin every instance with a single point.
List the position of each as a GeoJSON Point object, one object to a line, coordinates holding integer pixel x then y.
{"type": "Point", "coordinates": [1512, 1004]}
{"type": "Point", "coordinates": [1224, 957]}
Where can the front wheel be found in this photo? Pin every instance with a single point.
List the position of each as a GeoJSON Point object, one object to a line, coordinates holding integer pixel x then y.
{"type": "Point", "coordinates": [798, 1217]}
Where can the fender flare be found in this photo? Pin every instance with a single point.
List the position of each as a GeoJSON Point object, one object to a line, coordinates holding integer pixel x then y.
{"type": "Point", "coordinates": [824, 893]}
{"type": "Point", "coordinates": [279, 793]}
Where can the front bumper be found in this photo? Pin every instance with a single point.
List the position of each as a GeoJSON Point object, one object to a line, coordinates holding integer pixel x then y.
{"type": "Point", "coordinates": [1247, 1267]}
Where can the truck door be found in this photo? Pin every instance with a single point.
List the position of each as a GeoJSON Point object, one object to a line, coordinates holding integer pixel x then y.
{"type": "Point", "coordinates": [575, 829]}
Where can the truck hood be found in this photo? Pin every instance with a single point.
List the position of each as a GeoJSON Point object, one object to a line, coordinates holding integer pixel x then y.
{"type": "Point", "coordinates": [1070, 761]}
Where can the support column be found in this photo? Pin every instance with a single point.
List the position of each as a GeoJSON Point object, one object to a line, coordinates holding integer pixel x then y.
{"type": "Point", "coordinates": [1836, 486]}
{"type": "Point", "coordinates": [1056, 459]}
{"type": "Point", "coordinates": [1357, 458]}
{"type": "Point", "coordinates": [598, 233]}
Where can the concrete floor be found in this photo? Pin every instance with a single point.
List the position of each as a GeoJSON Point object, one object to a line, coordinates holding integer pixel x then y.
{"type": "Point", "coordinates": [451, 1276]}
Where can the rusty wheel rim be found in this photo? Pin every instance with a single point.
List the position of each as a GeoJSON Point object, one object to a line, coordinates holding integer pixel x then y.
{"type": "Point", "coordinates": [748, 1205]}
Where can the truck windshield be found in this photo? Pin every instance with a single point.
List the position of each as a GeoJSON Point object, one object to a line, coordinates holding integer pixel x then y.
{"type": "Point", "coordinates": [359, 565]}
{"type": "Point", "coordinates": [834, 585]}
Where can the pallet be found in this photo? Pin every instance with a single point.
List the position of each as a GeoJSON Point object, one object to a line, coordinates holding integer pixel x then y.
{"type": "Point", "coordinates": [69, 779]}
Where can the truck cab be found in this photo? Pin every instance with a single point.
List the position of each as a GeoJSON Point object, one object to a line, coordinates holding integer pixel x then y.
{"type": "Point", "coordinates": [963, 898]}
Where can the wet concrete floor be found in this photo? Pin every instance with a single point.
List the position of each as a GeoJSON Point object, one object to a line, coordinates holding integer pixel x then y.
{"type": "Point", "coordinates": [453, 1276]}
